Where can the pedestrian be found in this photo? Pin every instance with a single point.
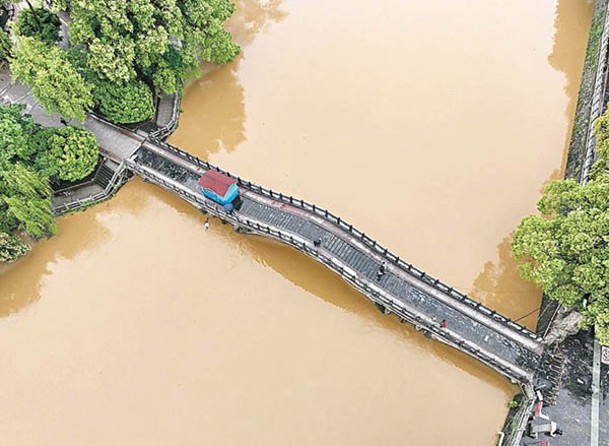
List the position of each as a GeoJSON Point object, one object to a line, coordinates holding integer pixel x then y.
{"type": "Point", "coordinates": [381, 271]}
{"type": "Point", "coordinates": [206, 224]}
{"type": "Point", "coordinates": [317, 242]}
{"type": "Point", "coordinates": [63, 121]}
{"type": "Point", "coordinates": [444, 324]}
{"type": "Point", "coordinates": [383, 267]}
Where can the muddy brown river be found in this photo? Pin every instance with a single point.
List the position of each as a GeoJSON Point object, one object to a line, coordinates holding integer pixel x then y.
{"type": "Point", "coordinates": [432, 126]}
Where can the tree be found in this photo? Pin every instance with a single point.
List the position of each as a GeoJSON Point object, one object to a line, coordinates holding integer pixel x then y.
{"type": "Point", "coordinates": [39, 23]}
{"type": "Point", "coordinates": [73, 153]}
{"type": "Point", "coordinates": [6, 48]}
{"type": "Point", "coordinates": [25, 168]}
{"type": "Point", "coordinates": [25, 201]}
{"type": "Point", "coordinates": [12, 247]}
{"type": "Point", "coordinates": [55, 82]}
{"type": "Point", "coordinates": [157, 41]}
{"type": "Point", "coordinates": [124, 103]}
{"type": "Point", "coordinates": [566, 249]}
{"type": "Point", "coordinates": [21, 139]}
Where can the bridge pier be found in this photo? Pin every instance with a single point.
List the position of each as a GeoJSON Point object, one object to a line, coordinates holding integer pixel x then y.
{"type": "Point", "coordinates": [382, 308]}
{"type": "Point", "coordinates": [241, 229]}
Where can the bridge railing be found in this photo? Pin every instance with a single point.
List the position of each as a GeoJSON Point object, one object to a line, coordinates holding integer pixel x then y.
{"type": "Point", "coordinates": [392, 305]}
{"type": "Point", "coordinates": [371, 243]}
{"type": "Point", "coordinates": [166, 130]}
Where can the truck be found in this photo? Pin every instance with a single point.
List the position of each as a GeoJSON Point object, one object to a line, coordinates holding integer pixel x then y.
{"type": "Point", "coordinates": [219, 188]}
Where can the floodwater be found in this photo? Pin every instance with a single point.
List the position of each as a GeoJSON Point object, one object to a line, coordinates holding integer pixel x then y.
{"type": "Point", "coordinates": [432, 126]}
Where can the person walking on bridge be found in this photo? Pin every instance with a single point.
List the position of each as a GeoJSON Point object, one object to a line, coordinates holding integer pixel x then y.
{"type": "Point", "coordinates": [381, 271]}
{"type": "Point", "coordinates": [206, 224]}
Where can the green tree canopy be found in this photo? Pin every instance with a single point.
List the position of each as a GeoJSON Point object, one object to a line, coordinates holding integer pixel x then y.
{"type": "Point", "coordinates": [21, 139]}
{"type": "Point", "coordinates": [29, 20]}
{"type": "Point", "coordinates": [6, 48]}
{"type": "Point", "coordinates": [55, 82]}
{"type": "Point", "coordinates": [124, 103]}
{"type": "Point", "coordinates": [25, 201]}
{"type": "Point", "coordinates": [73, 153]}
{"type": "Point", "coordinates": [158, 41]}
{"type": "Point", "coordinates": [12, 247]}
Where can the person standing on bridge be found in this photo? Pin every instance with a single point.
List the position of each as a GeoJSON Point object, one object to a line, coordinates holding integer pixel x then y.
{"type": "Point", "coordinates": [381, 271]}
{"type": "Point", "coordinates": [444, 324]}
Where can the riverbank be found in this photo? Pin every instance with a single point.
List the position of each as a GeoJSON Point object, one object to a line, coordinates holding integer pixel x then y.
{"type": "Point", "coordinates": [574, 403]}
{"type": "Point", "coordinates": [582, 121]}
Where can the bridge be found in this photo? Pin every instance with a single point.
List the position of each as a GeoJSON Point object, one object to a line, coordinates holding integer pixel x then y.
{"type": "Point", "coordinates": [404, 290]}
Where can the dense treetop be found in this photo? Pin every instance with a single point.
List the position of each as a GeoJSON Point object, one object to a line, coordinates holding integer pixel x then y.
{"type": "Point", "coordinates": [40, 23]}
{"type": "Point", "coordinates": [141, 47]}
{"type": "Point", "coordinates": [55, 82]}
{"type": "Point", "coordinates": [127, 38]}
{"type": "Point", "coordinates": [31, 157]}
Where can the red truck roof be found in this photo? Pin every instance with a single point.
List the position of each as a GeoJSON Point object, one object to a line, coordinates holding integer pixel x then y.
{"type": "Point", "coordinates": [216, 181]}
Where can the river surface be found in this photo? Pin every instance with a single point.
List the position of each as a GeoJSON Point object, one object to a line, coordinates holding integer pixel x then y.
{"type": "Point", "coordinates": [432, 126]}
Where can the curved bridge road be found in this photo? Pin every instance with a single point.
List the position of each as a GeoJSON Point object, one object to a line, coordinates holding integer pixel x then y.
{"type": "Point", "coordinates": [404, 290]}
{"type": "Point", "coordinates": [415, 297]}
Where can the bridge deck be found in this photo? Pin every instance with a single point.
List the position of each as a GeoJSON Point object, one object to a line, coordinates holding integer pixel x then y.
{"type": "Point", "coordinates": [511, 349]}
{"type": "Point", "coordinates": [404, 290]}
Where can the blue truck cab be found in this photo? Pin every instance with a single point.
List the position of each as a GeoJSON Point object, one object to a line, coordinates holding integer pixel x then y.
{"type": "Point", "coordinates": [218, 187]}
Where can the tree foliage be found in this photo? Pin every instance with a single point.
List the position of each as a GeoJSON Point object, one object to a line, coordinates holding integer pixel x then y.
{"type": "Point", "coordinates": [73, 153]}
{"type": "Point", "coordinates": [122, 51]}
{"type": "Point", "coordinates": [29, 155]}
{"type": "Point", "coordinates": [566, 249]}
{"type": "Point", "coordinates": [124, 103]}
{"type": "Point", "coordinates": [29, 20]}
{"type": "Point", "coordinates": [56, 84]}
{"type": "Point", "coordinates": [158, 41]}
{"type": "Point", "coordinates": [6, 48]}
{"type": "Point", "coordinates": [12, 247]}
{"type": "Point", "coordinates": [25, 201]}
{"type": "Point", "coordinates": [21, 139]}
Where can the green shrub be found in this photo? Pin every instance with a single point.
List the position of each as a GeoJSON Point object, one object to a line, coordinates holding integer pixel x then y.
{"type": "Point", "coordinates": [25, 201]}
{"type": "Point", "coordinates": [73, 153]}
{"type": "Point", "coordinates": [12, 247]}
{"type": "Point", "coordinates": [6, 48]}
{"type": "Point", "coordinates": [513, 404]}
{"type": "Point", "coordinates": [27, 25]}
{"type": "Point", "coordinates": [124, 103]}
